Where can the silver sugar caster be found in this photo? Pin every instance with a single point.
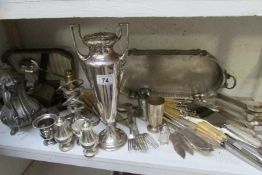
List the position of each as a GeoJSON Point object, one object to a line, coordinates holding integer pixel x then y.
{"type": "Point", "coordinates": [88, 139]}
{"type": "Point", "coordinates": [63, 134]}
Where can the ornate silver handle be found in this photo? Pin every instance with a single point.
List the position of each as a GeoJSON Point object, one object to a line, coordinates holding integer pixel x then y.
{"type": "Point", "coordinates": [6, 97]}
{"type": "Point", "coordinates": [83, 57]}
{"type": "Point", "coordinates": [229, 76]}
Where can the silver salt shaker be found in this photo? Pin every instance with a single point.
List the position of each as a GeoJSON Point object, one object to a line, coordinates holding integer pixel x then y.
{"type": "Point", "coordinates": [63, 134]}
{"type": "Point", "coordinates": [88, 139]}
{"type": "Point", "coordinates": [164, 135]}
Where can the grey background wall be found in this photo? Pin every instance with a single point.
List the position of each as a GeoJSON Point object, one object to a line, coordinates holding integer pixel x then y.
{"type": "Point", "coordinates": [235, 41]}
{"type": "Point", "coordinates": [3, 39]}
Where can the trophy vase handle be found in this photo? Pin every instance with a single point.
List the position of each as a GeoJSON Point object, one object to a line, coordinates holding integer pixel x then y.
{"type": "Point", "coordinates": [83, 57]}
{"type": "Point", "coordinates": [119, 35]}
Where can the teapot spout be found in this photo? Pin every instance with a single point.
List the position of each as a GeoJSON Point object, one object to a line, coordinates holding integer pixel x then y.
{"type": "Point", "coordinates": [83, 57]}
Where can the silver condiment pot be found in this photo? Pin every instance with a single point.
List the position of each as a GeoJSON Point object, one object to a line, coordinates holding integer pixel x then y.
{"type": "Point", "coordinates": [63, 134]}
{"type": "Point", "coordinates": [88, 139]}
{"type": "Point", "coordinates": [164, 134]}
{"type": "Point", "coordinates": [45, 124]}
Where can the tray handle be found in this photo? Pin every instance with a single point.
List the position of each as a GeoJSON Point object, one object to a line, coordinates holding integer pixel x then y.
{"type": "Point", "coordinates": [229, 76]}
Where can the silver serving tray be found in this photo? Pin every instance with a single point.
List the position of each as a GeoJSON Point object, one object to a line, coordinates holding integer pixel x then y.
{"type": "Point", "coordinates": [174, 73]}
{"type": "Point", "coordinates": [59, 61]}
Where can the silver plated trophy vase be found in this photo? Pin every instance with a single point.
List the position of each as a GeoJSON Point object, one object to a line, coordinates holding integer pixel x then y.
{"type": "Point", "coordinates": [103, 69]}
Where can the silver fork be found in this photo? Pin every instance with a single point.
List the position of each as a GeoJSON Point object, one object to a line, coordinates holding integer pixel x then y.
{"type": "Point", "coordinates": [134, 142]}
{"type": "Point", "coordinates": [137, 141]}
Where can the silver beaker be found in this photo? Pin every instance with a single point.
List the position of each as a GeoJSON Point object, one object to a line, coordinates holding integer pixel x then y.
{"type": "Point", "coordinates": [155, 112]}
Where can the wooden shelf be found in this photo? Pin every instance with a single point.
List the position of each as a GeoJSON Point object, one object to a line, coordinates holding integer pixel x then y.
{"type": "Point", "coordinates": [28, 9]}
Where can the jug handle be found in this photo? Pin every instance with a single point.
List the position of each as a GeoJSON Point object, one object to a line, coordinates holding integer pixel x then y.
{"type": "Point", "coordinates": [127, 38]}
{"type": "Point", "coordinates": [83, 57]}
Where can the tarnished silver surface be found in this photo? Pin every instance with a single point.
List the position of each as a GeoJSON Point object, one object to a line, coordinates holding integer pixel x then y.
{"type": "Point", "coordinates": [112, 138]}
{"type": "Point", "coordinates": [249, 106]}
{"type": "Point", "coordinates": [136, 141]}
{"type": "Point", "coordinates": [27, 61]}
{"type": "Point", "coordinates": [72, 90]}
{"type": "Point", "coordinates": [63, 134]}
{"type": "Point", "coordinates": [181, 145]}
{"type": "Point", "coordinates": [19, 109]}
{"type": "Point", "coordinates": [123, 107]}
{"type": "Point", "coordinates": [196, 141]}
{"type": "Point", "coordinates": [174, 73]}
{"type": "Point", "coordinates": [45, 124]}
{"type": "Point", "coordinates": [76, 127]}
{"type": "Point", "coordinates": [199, 143]}
{"type": "Point", "coordinates": [177, 140]}
{"type": "Point", "coordinates": [42, 70]}
{"type": "Point", "coordinates": [143, 93]}
{"type": "Point", "coordinates": [246, 153]}
{"type": "Point", "coordinates": [155, 112]}
{"type": "Point", "coordinates": [75, 102]}
{"type": "Point", "coordinates": [88, 139]}
{"type": "Point", "coordinates": [103, 66]}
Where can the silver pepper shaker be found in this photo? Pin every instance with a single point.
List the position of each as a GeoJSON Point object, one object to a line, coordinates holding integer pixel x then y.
{"type": "Point", "coordinates": [76, 127]}
{"type": "Point", "coordinates": [164, 134]}
{"type": "Point", "coordinates": [63, 134]}
{"type": "Point", "coordinates": [88, 139]}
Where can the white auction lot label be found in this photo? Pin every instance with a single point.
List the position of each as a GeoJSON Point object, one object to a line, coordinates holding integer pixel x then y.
{"type": "Point", "coordinates": [104, 79]}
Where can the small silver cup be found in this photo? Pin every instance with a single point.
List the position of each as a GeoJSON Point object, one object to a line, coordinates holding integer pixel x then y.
{"type": "Point", "coordinates": [155, 111]}
{"type": "Point", "coordinates": [45, 124]}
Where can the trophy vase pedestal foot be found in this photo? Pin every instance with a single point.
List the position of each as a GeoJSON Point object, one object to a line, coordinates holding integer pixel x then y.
{"type": "Point", "coordinates": [112, 138]}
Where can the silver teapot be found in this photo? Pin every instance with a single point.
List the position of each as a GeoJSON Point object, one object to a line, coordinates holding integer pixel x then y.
{"type": "Point", "coordinates": [103, 69]}
{"type": "Point", "coordinates": [19, 109]}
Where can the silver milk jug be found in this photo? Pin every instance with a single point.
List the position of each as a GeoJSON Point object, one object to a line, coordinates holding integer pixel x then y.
{"type": "Point", "coordinates": [103, 69]}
